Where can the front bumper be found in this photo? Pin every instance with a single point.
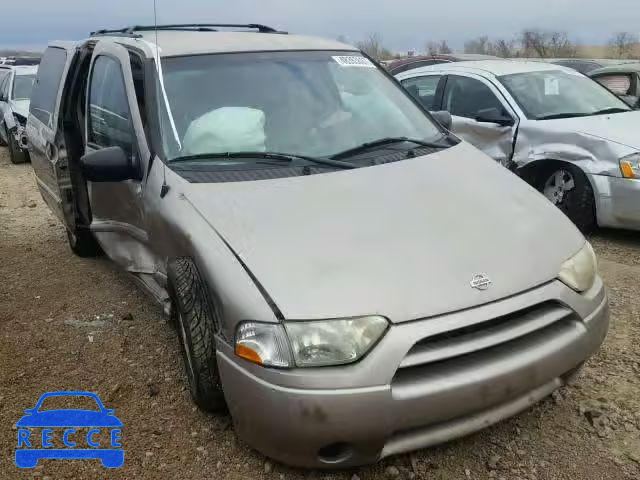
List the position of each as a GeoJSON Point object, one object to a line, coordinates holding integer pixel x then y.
{"type": "Point", "coordinates": [426, 382]}
{"type": "Point", "coordinates": [617, 201]}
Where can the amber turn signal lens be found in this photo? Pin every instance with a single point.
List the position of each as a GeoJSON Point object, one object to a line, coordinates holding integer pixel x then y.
{"type": "Point", "coordinates": [248, 354]}
{"type": "Point", "coordinates": [627, 170]}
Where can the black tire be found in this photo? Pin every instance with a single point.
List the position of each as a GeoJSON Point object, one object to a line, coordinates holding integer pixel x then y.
{"type": "Point", "coordinates": [83, 243]}
{"type": "Point", "coordinates": [577, 201]}
{"type": "Point", "coordinates": [194, 317]}
{"type": "Point", "coordinates": [16, 155]}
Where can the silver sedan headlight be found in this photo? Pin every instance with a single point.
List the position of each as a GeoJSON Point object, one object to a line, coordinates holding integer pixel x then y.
{"type": "Point", "coordinates": [630, 166]}
{"type": "Point", "coordinates": [579, 272]}
{"type": "Point", "coordinates": [316, 343]}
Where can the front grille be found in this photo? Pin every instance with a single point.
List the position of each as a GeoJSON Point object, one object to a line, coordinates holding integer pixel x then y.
{"type": "Point", "coordinates": [479, 337]}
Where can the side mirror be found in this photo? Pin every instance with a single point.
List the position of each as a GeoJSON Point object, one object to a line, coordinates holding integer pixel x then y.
{"type": "Point", "coordinates": [109, 164]}
{"type": "Point", "coordinates": [493, 115]}
{"type": "Point", "coordinates": [444, 118]}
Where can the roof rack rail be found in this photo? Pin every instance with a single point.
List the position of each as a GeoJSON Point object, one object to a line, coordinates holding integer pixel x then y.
{"type": "Point", "coordinates": [198, 27]}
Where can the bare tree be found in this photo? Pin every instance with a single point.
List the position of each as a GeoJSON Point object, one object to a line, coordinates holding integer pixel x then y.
{"type": "Point", "coordinates": [621, 44]}
{"type": "Point", "coordinates": [434, 48]}
{"type": "Point", "coordinates": [502, 48]}
{"type": "Point", "coordinates": [547, 44]}
{"type": "Point", "coordinates": [373, 47]}
{"type": "Point", "coordinates": [477, 45]}
{"type": "Point", "coordinates": [482, 45]}
{"type": "Point", "coordinates": [444, 47]}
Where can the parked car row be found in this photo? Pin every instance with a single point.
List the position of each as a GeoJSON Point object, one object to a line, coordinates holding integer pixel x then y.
{"type": "Point", "coordinates": [16, 84]}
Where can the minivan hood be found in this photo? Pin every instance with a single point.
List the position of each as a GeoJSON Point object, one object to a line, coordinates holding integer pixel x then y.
{"type": "Point", "coordinates": [403, 240]}
{"type": "Point", "coordinates": [21, 107]}
{"type": "Point", "coordinates": [622, 128]}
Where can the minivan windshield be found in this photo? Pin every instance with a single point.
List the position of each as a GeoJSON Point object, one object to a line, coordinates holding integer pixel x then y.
{"type": "Point", "coordinates": [22, 86]}
{"type": "Point", "coordinates": [552, 94]}
{"type": "Point", "coordinates": [309, 103]}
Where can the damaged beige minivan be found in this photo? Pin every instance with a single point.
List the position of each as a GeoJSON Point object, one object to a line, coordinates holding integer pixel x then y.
{"type": "Point", "coordinates": [352, 280]}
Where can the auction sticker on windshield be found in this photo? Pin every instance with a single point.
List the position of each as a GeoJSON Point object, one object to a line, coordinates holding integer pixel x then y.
{"type": "Point", "coordinates": [353, 61]}
{"type": "Point", "coordinates": [88, 431]}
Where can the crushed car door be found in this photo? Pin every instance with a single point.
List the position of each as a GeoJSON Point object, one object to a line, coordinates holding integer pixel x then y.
{"type": "Point", "coordinates": [46, 142]}
{"type": "Point", "coordinates": [113, 119]}
{"type": "Point", "coordinates": [479, 116]}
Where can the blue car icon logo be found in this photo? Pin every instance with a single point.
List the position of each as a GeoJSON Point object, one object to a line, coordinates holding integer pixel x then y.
{"type": "Point", "coordinates": [34, 445]}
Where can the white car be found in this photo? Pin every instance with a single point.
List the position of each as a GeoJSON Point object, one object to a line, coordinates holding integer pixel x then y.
{"type": "Point", "coordinates": [16, 84]}
{"type": "Point", "coordinates": [567, 135]}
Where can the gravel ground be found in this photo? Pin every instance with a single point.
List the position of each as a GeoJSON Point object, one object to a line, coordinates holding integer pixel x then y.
{"type": "Point", "coordinates": [130, 357]}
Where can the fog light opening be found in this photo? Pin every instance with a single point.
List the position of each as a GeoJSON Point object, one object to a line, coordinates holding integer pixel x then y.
{"type": "Point", "coordinates": [335, 453]}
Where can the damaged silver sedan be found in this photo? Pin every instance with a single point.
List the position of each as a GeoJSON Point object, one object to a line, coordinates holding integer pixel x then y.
{"type": "Point", "coordinates": [567, 135]}
{"type": "Point", "coordinates": [16, 84]}
{"type": "Point", "coordinates": [352, 280]}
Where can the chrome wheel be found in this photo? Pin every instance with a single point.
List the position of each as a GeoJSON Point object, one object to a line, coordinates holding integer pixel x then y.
{"type": "Point", "coordinates": [557, 185]}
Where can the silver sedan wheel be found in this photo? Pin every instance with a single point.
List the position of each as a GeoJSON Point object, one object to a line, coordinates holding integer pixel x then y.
{"type": "Point", "coordinates": [557, 185]}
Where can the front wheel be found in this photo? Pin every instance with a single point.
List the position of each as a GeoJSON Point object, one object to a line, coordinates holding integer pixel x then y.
{"type": "Point", "coordinates": [195, 319]}
{"type": "Point", "coordinates": [568, 188]}
{"type": "Point", "coordinates": [83, 243]}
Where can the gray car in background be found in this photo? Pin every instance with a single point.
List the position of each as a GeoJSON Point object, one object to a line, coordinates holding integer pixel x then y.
{"type": "Point", "coordinates": [352, 280]}
{"type": "Point", "coordinates": [16, 84]}
{"type": "Point", "coordinates": [567, 135]}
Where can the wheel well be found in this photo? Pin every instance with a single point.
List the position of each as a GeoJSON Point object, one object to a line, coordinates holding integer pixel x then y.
{"type": "Point", "coordinates": [531, 172]}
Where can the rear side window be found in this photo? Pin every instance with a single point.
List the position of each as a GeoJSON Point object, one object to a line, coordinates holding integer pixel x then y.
{"type": "Point", "coordinates": [109, 115]}
{"type": "Point", "coordinates": [620, 84]}
{"type": "Point", "coordinates": [45, 92]}
{"type": "Point", "coordinates": [423, 89]}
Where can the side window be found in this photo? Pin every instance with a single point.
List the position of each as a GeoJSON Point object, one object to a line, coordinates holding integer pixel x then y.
{"type": "Point", "coordinates": [45, 91]}
{"type": "Point", "coordinates": [109, 115]}
{"type": "Point", "coordinates": [618, 83]}
{"type": "Point", "coordinates": [423, 89]}
{"type": "Point", "coordinates": [465, 97]}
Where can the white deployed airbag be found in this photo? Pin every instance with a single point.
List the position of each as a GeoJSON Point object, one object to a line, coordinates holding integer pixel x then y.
{"type": "Point", "coordinates": [226, 129]}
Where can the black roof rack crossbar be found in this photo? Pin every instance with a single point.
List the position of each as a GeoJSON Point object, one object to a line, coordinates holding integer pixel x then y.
{"type": "Point", "coordinates": [198, 27]}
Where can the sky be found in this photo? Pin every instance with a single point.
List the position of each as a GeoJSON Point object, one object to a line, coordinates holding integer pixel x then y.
{"type": "Point", "coordinates": [403, 24]}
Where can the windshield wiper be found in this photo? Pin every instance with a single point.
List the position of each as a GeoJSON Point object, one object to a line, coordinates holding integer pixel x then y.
{"type": "Point", "coordinates": [556, 116]}
{"type": "Point", "coordinates": [386, 141]}
{"type": "Point", "coordinates": [611, 110]}
{"type": "Point", "coordinates": [283, 157]}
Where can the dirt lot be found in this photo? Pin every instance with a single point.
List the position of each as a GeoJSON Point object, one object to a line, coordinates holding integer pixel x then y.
{"type": "Point", "coordinates": [130, 357]}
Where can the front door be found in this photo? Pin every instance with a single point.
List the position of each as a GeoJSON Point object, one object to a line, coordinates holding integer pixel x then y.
{"type": "Point", "coordinates": [113, 119]}
{"type": "Point", "coordinates": [466, 96]}
{"type": "Point", "coordinates": [46, 143]}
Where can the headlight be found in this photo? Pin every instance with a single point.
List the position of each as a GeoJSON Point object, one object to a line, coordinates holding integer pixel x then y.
{"type": "Point", "coordinates": [579, 272]}
{"type": "Point", "coordinates": [630, 166]}
{"type": "Point", "coordinates": [333, 342]}
{"type": "Point", "coordinates": [310, 343]}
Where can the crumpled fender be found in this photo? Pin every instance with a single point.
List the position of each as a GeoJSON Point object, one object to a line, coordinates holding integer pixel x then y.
{"type": "Point", "coordinates": [594, 155]}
